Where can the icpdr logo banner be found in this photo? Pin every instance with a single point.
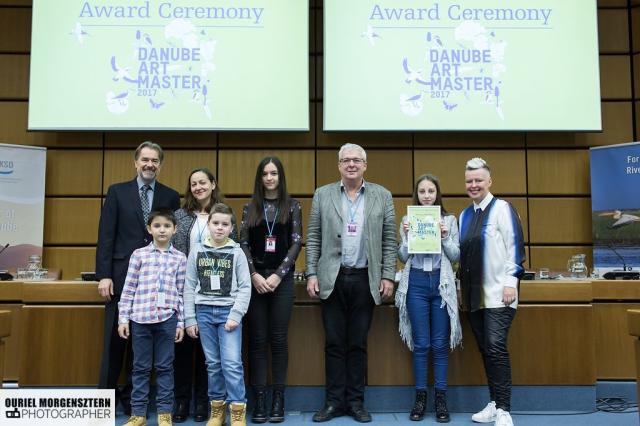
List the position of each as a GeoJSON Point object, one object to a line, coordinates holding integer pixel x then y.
{"type": "Point", "coordinates": [615, 205]}
{"type": "Point", "coordinates": [22, 179]}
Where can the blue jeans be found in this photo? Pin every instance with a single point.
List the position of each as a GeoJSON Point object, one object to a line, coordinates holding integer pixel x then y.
{"type": "Point", "coordinates": [153, 345]}
{"type": "Point", "coordinates": [223, 353]}
{"type": "Point", "coordinates": [429, 326]}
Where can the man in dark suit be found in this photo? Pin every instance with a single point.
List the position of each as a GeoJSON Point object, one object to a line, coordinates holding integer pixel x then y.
{"type": "Point", "coordinates": [122, 230]}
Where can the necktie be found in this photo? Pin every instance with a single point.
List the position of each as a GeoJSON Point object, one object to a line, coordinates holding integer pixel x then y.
{"type": "Point", "coordinates": [144, 202]}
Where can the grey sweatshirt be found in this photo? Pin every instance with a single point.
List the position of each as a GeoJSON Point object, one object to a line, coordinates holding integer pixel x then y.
{"type": "Point", "coordinates": [229, 263]}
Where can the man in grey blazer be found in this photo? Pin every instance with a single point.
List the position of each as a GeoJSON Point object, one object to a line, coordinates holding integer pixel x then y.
{"type": "Point", "coordinates": [351, 262]}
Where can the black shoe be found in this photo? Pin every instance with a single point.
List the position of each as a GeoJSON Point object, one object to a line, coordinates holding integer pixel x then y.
{"type": "Point", "coordinates": [277, 406]}
{"type": "Point", "coordinates": [359, 414]}
{"type": "Point", "coordinates": [442, 414]}
{"type": "Point", "coordinates": [181, 412]}
{"type": "Point", "coordinates": [327, 413]}
{"type": "Point", "coordinates": [259, 414]}
{"type": "Point", "coordinates": [201, 412]}
{"type": "Point", "coordinates": [419, 407]}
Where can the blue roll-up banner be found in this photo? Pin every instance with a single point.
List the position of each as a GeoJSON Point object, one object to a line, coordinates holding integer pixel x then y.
{"type": "Point", "coordinates": [615, 207]}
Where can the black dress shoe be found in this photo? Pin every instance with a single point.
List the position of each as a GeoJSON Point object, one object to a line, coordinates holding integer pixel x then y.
{"type": "Point", "coordinates": [359, 414]}
{"type": "Point", "coordinates": [201, 412]}
{"type": "Point", "coordinates": [327, 413]}
{"type": "Point", "coordinates": [181, 412]}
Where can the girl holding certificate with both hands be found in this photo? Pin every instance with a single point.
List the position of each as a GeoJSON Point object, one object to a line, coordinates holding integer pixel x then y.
{"type": "Point", "coordinates": [427, 300]}
{"type": "Point", "coordinates": [271, 237]}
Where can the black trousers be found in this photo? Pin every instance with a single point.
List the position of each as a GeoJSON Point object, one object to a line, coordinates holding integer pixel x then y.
{"type": "Point", "coordinates": [346, 316]}
{"type": "Point", "coordinates": [113, 353]}
{"type": "Point", "coordinates": [190, 372]}
{"type": "Point", "coordinates": [491, 330]}
{"type": "Point", "coordinates": [268, 319]}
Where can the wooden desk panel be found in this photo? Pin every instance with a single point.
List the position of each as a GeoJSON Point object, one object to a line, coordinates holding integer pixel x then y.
{"type": "Point", "coordinates": [633, 324]}
{"type": "Point", "coordinates": [306, 346]}
{"type": "Point", "coordinates": [61, 292]}
{"type": "Point", "coordinates": [553, 344]}
{"type": "Point", "coordinates": [5, 332]}
{"type": "Point", "coordinates": [614, 346]}
{"type": "Point", "coordinates": [63, 345]}
{"type": "Point", "coordinates": [554, 291]}
{"type": "Point", "coordinates": [11, 291]}
{"type": "Point", "coordinates": [537, 334]}
{"type": "Point", "coordinates": [616, 290]}
{"type": "Point", "coordinates": [12, 344]}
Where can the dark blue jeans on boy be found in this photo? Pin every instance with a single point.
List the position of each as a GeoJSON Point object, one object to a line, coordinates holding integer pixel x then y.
{"type": "Point", "coordinates": [429, 327]}
{"type": "Point", "coordinates": [153, 346]}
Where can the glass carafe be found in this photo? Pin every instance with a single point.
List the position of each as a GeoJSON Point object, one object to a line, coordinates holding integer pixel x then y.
{"type": "Point", "coordinates": [577, 266]}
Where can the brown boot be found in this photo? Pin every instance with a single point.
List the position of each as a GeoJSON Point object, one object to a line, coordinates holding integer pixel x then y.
{"type": "Point", "coordinates": [136, 421]}
{"type": "Point", "coordinates": [164, 419]}
{"type": "Point", "coordinates": [238, 414]}
{"type": "Point", "coordinates": [218, 413]}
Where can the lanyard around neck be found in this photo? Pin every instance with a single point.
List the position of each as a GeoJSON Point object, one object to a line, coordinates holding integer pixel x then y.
{"type": "Point", "coordinates": [353, 205]}
{"type": "Point", "coordinates": [273, 223]}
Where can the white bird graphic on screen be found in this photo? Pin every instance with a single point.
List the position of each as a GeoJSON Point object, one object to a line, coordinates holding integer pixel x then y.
{"type": "Point", "coordinates": [411, 74]}
{"type": "Point", "coordinates": [121, 72]}
{"type": "Point", "coordinates": [79, 32]}
{"type": "Point", "coordinates": [370, 35]}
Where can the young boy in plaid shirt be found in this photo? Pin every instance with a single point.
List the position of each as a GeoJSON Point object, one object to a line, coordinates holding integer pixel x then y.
{"type": "Point", "coordinates": [152, 312]}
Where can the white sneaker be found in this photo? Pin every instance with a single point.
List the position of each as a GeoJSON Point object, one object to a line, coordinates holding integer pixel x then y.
{"type": "Point", "coordinates": [503, 418]}
{"type": "Point", "coordinates": [487, 415]}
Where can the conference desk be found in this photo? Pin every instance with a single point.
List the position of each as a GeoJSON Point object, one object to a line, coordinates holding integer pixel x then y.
{"type": "Point", "coordinates": [565, 333]}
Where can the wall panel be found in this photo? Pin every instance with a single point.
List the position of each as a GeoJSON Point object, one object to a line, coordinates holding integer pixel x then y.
{"type": "Point", "coordinates": [119, 166]}
{"type": "Point", "coordinates": [555, 257]}
{"type": "Point", "coordinates": [238, 170]}
{"type": "Point", "coordinates": [182, 140]}
{"type": "Point", "coordinates": [14, 70]}
{"type": "Point", "coordinates": [71, 221]}
{"type": "Point", "coordinates": [15, 30]}
{"type": "Point", "coordinates": [617, 127]}
{"type": "Point", "coordinates": [507, 169]}
{"type": "Point", "coordinates": [70, 260]}
{"type": "Point", "coordinates": [73, 172]}
{"type": "Point", "coordinates": [558, 172]}
{"type": "Point", "coordinates": [13, 129]}
{"type": "Point", "coordinates": [560, 220]}
{"type": "Point", "coordinates": [613, 31]}
{"type": "Point", "coordinates": [615, 78]}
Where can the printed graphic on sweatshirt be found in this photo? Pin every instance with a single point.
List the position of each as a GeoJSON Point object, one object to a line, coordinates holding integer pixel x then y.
{"type": "Point", "coordinates": [210, 265]}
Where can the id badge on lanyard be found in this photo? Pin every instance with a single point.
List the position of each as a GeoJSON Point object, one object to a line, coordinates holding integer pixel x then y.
{"type": "Point", "coordinates": [215, 282]}
{"type": "Point", "coordinates": [352, 229]}
{"type": "Point", "coordinates": [270, 244]}
{"type": "Point", "coordinates": [270, 239]}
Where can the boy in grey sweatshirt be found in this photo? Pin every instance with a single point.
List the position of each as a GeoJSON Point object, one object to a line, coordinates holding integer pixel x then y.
{"type": "Point", "coordinates": [216, 296]}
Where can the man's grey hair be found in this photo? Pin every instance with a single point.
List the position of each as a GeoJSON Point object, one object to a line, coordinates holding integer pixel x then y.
{"type": "Point", "coordinates": [352, 147]}
{"type": "Point", "coordinates": [477, 163]}
{"type": "Point", "coordinates": [151, 145]}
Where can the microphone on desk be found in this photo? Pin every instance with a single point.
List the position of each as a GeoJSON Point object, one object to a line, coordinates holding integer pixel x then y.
{"type": "Point", "coordinates": [625, 274]}
{"type": "Point", "coordinates": [5, 275]}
